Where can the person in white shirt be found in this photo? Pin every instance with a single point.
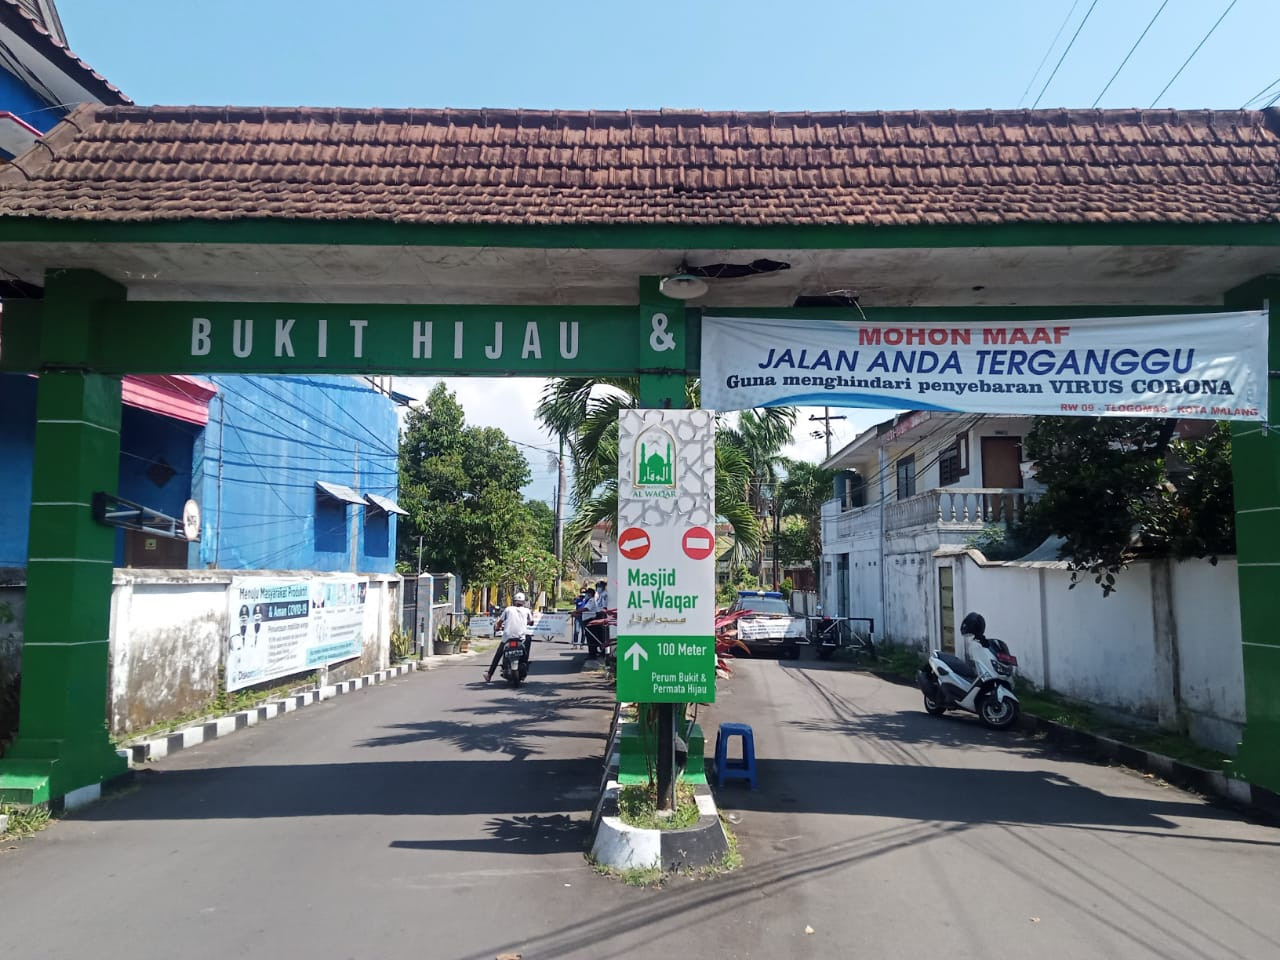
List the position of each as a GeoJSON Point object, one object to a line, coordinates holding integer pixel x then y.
{"type": "Point", "coordinates": [597, 634]}
{"type": "Point", "coordinates": [514, 623]}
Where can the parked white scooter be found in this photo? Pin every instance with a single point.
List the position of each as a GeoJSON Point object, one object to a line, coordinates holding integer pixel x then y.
{"type": "Point", "coordinates": [982, 683]}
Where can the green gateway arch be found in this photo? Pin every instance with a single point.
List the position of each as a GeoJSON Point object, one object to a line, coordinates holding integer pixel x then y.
{"type": "Point", "coordinates": [438, 242]}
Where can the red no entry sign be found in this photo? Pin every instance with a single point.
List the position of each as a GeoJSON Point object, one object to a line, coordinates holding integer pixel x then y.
{"type": "Point", "coordinates": [698, 543]}
{"type": "Point", "coordinates": [633, 543]}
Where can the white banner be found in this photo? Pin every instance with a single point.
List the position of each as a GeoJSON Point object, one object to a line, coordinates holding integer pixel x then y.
{"type": "Point", "coordinates": [480, 626]}
{"type": "Point", "coordinates": [550, 626]}
{"type": "Point", "coordinates": [771, 628]}
{"type": "Point", "coordinates": [280, 627]}
{"type": "Point", "coordinates": [1207, 366]}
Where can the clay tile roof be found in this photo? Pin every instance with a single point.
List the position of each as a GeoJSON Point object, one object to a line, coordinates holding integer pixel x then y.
{"type": "Point", "coordinates": [47, 38]}
{"type": "Point", "coordinates": [136, 164]}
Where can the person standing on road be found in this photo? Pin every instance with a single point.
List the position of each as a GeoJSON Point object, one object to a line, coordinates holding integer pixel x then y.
{"type": "Point", "coordinates": [514, 624]}
{"type": "Point", "coordinates": [578, 604]}
{"type": "Point", "coordinates": [596, 610]}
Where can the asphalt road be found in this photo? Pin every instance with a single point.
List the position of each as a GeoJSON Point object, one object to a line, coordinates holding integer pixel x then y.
{"type": "Point", "coordinates": [435, 818]}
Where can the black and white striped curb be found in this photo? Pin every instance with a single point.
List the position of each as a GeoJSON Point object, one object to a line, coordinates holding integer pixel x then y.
{"type": "Point", "coordinates": [1210, 783]}
{"type": "Point", "coordinates": [155, 748]}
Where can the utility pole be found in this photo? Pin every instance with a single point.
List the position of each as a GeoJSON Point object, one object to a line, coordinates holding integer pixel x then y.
{"type": "Point", "coordinates": [826, 419]}
{"type": "Point", "coordinates": [559, 534]}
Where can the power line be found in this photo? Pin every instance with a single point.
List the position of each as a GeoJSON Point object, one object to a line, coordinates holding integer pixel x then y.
{"type": "Point", "coordinates": [1053, 43]}
{"type": "Point", "coordinates": [1064, 54]}
{"type": "Point", "coordinates": [1202, 42]}
{"type": "Point", "coordinates": [1260, 94]}
{"type": "Point", "coordinates": [1130, 53]}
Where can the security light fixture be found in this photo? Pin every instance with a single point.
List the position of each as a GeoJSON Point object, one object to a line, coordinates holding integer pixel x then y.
{"type": "Point", "coordinates": [682, 285]}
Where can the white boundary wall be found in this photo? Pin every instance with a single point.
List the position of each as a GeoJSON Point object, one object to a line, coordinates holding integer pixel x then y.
{"type": "Point", "coordinates": [1165, 646]}
{"type": "Point", "coordinates": [169, 635]}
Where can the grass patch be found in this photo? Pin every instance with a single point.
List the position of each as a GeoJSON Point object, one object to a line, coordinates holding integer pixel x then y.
{"type": "Point", "coordinates": [1049, 706]}
{"type": "Point", "coordinates": [637, 807]}
{"type": "Point", "coordinates": [221, 705]}
{"type": "Point", "coordinates": [24, 821]}
{"type": "Point", "coordinates": [633, 877]}
{"type": "Point", "coordinates": [897, 661]}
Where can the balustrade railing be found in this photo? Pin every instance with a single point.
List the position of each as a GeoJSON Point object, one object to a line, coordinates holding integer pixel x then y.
{"type": "Point", "coordinates": [968, 508]}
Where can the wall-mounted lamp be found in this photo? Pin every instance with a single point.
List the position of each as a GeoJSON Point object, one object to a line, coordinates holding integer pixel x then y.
{"type": "Point", "coordinates": [682, 285]}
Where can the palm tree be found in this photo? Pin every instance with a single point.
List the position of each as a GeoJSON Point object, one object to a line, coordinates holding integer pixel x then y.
{"type": "Point", "coordinates": [584, 410]}
{"type": "Point", "coordinates": [759, 437]}
{"type": "Point", "coordinates": [806, 488]}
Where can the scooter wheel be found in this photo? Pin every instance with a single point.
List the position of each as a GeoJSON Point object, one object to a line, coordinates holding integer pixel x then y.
{"type": "Point", "coordinates": [933, 707]}
{"type": "Point", "coordinates": [997, 714]}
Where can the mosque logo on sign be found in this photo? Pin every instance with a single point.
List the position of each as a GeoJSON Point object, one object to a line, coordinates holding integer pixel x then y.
{"type": "Point", "coordinates": [654, 460]}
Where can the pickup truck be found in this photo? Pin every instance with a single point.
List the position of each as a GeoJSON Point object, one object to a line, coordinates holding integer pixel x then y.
{"type": "Point", "coordinates": [765, 622]}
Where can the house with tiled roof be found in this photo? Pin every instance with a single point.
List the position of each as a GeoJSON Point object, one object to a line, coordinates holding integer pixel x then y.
{"type": "Point", "coordinates": [41, 79]}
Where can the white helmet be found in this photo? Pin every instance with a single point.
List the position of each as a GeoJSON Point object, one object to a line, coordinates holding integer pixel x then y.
{"type": "Point", "coordinates": [521, 598]}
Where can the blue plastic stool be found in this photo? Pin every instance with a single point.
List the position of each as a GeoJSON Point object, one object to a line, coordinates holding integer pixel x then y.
{"type": "Point", "coordinates": [744, 769]}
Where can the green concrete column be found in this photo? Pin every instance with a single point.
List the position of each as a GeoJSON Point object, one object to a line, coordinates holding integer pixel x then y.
{"type": "Point", "coordinates": [1255, 465]}
{"type": "Point", "coordinates": [62, 742]}
{"type": "Point", "coordinates": [663, 346]}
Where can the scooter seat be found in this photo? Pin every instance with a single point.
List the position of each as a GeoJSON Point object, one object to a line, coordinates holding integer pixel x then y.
{"type": "Point", "coordinates": [961, 668]}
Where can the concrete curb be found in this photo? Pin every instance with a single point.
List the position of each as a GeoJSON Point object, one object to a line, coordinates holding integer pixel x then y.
{"type": "Point", "coordinates": [140, 752]}
{"type": "Point", "coordinates": [622, 847]}
{"type": "Point", "coordinates": [1212, 783]}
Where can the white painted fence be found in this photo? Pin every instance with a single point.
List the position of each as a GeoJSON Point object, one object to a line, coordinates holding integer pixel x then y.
{"type": "Point", "coordinates": [170, 631]}
{"type": "Point", "coordinates": [1165, 646]}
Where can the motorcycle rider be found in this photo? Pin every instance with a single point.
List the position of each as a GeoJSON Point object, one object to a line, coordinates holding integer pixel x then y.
{"type": "Point", "coordinates": [514, 624]}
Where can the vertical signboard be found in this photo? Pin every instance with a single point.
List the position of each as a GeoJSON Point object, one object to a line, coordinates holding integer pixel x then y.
{"type": "Point", "coordinates": [666, 556]}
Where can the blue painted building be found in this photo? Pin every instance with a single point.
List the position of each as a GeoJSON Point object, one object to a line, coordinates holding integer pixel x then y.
{"type": "Point", "coordinates": [41, 80]}
{"type": "Point", "coordinates": [290, 473]}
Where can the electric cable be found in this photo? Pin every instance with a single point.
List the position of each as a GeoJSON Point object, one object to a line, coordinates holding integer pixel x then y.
{"type": "Point", "coordinates": [1261, 93]}
{"type": "Point", "coordinates": [1150, 24]}
{"type": "Point", "coordinates": [1202, 42]}
{"type": "Point", "coordinates": [1053, 43]}
{"type": "Point", "coordinates": [1064, 54]}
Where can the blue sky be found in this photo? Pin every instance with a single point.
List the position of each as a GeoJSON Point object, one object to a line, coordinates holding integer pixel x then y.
{"type": "Point", "coordinates": [742, 55]}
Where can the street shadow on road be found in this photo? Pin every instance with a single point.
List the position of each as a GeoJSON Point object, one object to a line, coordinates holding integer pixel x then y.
{"type": "Point", "coordinates": [536, 835]}
{"type": "Point", "coordinates": [405, 788]}
{"type": "Point", "coordinates": [930, 793]}
{"type": "Point", "coordinates": [523, 721]}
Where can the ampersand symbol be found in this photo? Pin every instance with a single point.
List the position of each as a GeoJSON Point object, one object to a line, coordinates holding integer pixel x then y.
{"type": "Point", "coordinates": [661, 341]}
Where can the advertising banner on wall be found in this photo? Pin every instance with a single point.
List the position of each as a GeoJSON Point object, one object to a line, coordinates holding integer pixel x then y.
{"type": "Point", "coordinates": [1207, 366]}
{"type": "Point", "coordinates": [285, 626]}
{"type": "Point", "coordinates": [666, 556]}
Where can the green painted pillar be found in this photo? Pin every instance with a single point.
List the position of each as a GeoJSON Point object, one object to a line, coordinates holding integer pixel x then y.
{"type": "Point", "coordinates": [62, 743]}
{"type": "Point", "coordinates": [1255, 466]}
{"type": "Point", "coordinates": [663, 348]}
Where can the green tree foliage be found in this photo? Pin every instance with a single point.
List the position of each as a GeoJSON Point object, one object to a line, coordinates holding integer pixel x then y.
{"type": "Point", "coordinates": [1114, 493]}
{"type": "Point", "coordinates": [461, 486]}
{"type": "Point", "coordinates": [794, 543]}
{"type": "Point", "coordinates": [801, 496]}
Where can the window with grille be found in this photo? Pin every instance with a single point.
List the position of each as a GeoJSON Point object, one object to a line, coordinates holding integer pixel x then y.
{"type": "Point", "coordinates": [907, 477]}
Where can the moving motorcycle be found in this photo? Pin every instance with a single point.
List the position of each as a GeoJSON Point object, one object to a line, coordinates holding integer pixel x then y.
{"type": "Point", "coordinates": [515, 659]}
{"type": "Point", "coordinates": [981, 684]}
